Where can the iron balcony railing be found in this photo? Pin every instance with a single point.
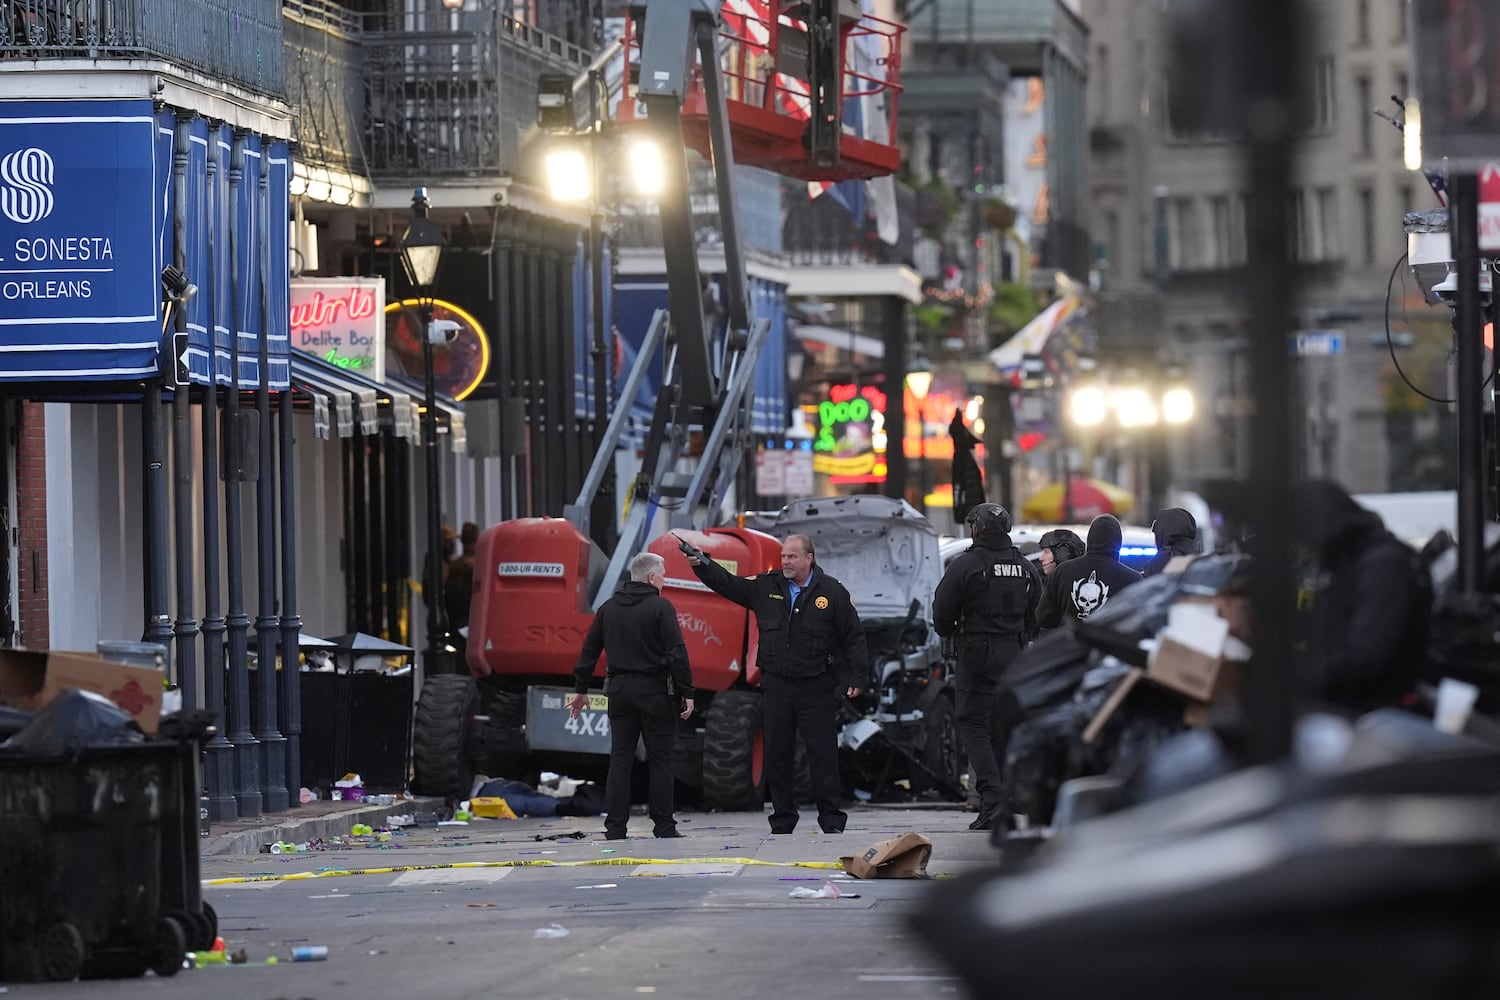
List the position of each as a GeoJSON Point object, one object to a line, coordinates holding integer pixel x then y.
{"type": "Point", "coordinates": [325, 82]}
{"type": "Point", "coordinates": [450, 92]}
{"type": "Point", "coordinates": [236, 41]}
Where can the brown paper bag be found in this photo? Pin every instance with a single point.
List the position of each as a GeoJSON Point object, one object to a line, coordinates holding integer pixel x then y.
{"type": "Point", "coordinates": [901, 857]}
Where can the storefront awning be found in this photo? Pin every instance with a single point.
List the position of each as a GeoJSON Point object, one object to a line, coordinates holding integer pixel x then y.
{"type": "Point", "coordinates": [450, 411]}
{"type": "Point", "coordinates": [844, 340]}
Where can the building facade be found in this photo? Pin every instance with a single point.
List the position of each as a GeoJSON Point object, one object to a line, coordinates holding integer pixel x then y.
{"type": "Point", "coordinates": [1168, 210]}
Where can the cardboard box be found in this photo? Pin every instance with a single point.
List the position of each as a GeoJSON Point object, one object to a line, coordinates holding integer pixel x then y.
{"type": "Point", "coordinates": [30, 679]}
{"type": "Point", "coordinates": [901, 857]}
{"type": "Point", "coordinates": [1234, 609]}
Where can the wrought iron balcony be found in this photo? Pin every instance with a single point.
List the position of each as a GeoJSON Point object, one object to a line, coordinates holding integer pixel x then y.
{"type": "Point", "coordinates": [236, 41]}
{"type": "Point", "coordinates": [448, 93]}
{"type": "Point", "coordinates": [325, 82]}
{"type": "Point", "coordinates": [822, 233]}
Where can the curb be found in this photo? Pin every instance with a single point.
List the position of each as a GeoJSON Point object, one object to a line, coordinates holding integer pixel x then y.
{"type": "Point", "coordinates": [326, 827]}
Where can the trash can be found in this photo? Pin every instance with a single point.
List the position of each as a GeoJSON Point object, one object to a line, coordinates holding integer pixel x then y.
{"type": "Point", "coordinates": [99, 862]}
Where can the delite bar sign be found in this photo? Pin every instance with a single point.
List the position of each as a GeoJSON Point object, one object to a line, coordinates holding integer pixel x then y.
{"type": "Point", "coordinates": [531, 569]}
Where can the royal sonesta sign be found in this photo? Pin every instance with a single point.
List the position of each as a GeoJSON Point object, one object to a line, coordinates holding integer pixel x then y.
{"type": "Point", "coordinates": [342, 321]}
{"type": "Point", "coordinates": [79, 292]}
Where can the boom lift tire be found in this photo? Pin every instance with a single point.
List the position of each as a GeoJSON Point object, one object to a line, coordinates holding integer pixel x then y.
{"type": "Point", "coordinates": [440, 753]}
{"type": "Point", "coordinates": [499, 744]}
{"type": "Point", "coordinates": [733, 755]}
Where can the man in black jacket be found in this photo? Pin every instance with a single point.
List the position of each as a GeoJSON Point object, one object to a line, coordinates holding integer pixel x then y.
{"type": "Point", "coordinates": [1366, 602]}
{"type": "Point", "coordinates": [1176, 532]}
{"type": "Point", "coordinates": [646, 659]}
{"type": "Point", "coordinates": [988, 599]}
{"type": "Point", "coordinates": [812, 648]}
{"type": "Point", "coordinates": [1084, 585]}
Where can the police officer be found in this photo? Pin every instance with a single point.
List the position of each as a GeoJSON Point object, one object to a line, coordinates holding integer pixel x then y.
{"type": "Point", "coordinates": [988, 599]}
{"type": "Point", "coordinates": [812, 649]}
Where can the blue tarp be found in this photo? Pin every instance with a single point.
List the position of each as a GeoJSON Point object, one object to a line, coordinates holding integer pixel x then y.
{"type": "Point", "coordinates": [637, 301]}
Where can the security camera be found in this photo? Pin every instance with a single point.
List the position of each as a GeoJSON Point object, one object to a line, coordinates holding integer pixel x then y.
{"type": "Point", "coordinates": [1429, 254]}
{"type": "Point", "coordinates": [443, 331]}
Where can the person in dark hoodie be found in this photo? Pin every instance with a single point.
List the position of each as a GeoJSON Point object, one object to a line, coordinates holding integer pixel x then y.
{"type": "Point", "coordinates": [647, 666]}
{"type": "Point", "coordinates": [987, 599]}
{"type": "Point", "coordinates": [1081, 586]}
{"type": "Point", "coordinates": [1366, 602]}
{"type": "Point", "coordinates": [1176, 534]}
{"type": "Point", "coordinates": [812, 649]}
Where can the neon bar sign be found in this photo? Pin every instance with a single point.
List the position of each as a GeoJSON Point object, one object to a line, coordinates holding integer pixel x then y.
{"type": "Point", "coordinates": [342, 321]}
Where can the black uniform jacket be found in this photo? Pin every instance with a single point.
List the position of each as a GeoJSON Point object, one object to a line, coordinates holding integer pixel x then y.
{"type": "Point", "coordinates": [818, 634]}
{"type": "Point", "coordinates": [988, 590]}
{"type": "Point", "coordinates": [1081, 586]}
{"type": "Point", "coordinates": [637, 628]}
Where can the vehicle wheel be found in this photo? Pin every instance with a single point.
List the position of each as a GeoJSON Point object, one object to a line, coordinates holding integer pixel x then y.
{"type": "Point", "coordinates": [441, 764]}
{"type": "Point", "coordinates": [62, 953]}
{"type": "Point", "coordinates": [498, 746]}
{"type": "Point", "coordinates": [211, 928]}
{"type": "Point", "coordinates": [169, 948]}
{"type": "Point", "coordinates": [944, 752]}
{"type": "Point", "coordinates": [733, 753]}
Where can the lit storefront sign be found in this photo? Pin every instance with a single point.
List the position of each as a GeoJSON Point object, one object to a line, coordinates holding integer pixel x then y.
{"type": "Point", "coordinates": [458, 365]}
{"type": "Point", "coordinates": [79, 293]}
{"type": "Point", "coordinates": [849, 434]}
{"type": "Point", "coordinates": [342, 321]}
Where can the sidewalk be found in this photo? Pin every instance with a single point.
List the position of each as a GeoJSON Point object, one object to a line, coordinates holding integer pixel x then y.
{"type": "Point", "coordinates": [322, 818]}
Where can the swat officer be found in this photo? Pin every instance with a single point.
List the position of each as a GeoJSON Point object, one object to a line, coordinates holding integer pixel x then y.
{"type": "Point", "coordinates": [987, 599]}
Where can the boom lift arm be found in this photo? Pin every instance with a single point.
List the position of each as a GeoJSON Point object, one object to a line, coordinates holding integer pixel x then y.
{"type": "Point", "coordinates": [696, 389]}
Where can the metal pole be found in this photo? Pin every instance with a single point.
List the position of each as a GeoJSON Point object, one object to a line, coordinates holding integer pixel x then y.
{"type": "Point", "coordinates": [219, 753]}
{"type": "Point", "coordinates": [291, 624]}
{"type": "Point", "coordinates": [893, 315]}
{"type": "Point", "coordinates": [273, 788]}
{"type": "Point", "coordinates": [154, 452]}
{"type": "Point", "coordinates": [439, 659]}
{"type": "Point", "coordinates": [186, 627]}
{"type": "Point", "coordinates": [1267, 33]}
{"type": "Point", "coordinates": [247, 752]}
{"type": "Point", "coordinates": [1463, 223]}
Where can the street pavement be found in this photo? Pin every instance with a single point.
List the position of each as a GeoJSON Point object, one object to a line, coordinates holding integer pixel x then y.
{"type": "Point", "coordinates": [522, 909]}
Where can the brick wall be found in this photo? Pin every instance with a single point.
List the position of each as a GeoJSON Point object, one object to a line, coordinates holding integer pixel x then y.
{"type": "Point", "coordinates": [31, 522]}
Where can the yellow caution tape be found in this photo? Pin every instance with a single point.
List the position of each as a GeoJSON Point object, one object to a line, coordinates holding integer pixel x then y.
{"type": "Point", "coordinates": [542, 863]}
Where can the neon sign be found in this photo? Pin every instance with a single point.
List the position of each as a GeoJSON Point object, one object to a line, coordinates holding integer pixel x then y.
{"type": "Point", "coordinates": [849, 419]}
{"type": "Point", "coordinates": [341, 320]}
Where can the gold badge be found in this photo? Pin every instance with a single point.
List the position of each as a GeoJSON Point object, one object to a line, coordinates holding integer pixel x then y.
{"type": "Point", "coordinates": [821, 603]}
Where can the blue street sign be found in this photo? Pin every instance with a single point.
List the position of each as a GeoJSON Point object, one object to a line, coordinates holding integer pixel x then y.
{"type": "Point", "coordinates": [79, 286]}
{"type": "Point", "coordinates": [1317, 343]}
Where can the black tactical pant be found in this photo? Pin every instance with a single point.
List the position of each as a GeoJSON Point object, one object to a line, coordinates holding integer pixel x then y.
{"type": "Point", "coordinates": [807, 705]}
{"type": "Point", "coordinates": [640, 709]}
{"type": "Point", "coordinates": [985, 714]}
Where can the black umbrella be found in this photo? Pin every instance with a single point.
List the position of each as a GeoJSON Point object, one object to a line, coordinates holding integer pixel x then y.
{"type": "Point", "coordinates": [968, 484]}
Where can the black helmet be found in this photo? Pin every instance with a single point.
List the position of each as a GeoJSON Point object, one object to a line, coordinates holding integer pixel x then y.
{"type": "Point", "coordinates": [986, 518]}
{"type": "Point", "coordinates": [1061, 538]}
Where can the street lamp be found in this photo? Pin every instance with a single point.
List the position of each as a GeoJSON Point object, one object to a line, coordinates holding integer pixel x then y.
{"type": "Point", "coordinates": [422, 248]}
{"type": "Point", "coordinates": [919, 381]}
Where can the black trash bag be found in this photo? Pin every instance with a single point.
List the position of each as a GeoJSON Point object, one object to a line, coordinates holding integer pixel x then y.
{"type": "Point", "coordinates": [1048, 670]}
{"type": "Point", "coordinates": [1178, 763]}
{"type": "Point", "coordinates": [1046, 749]}
{"type": "Point", "coordinates": [1149, 718]}
{"type": "Point", "coordinates": [1140, 610]}
{"type": "Point", "coordinates": [1464, 646]}
{"type": "Point", "coordinates": [13, 720]}
{"type": "Point", "coordinates": [75, 720]}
